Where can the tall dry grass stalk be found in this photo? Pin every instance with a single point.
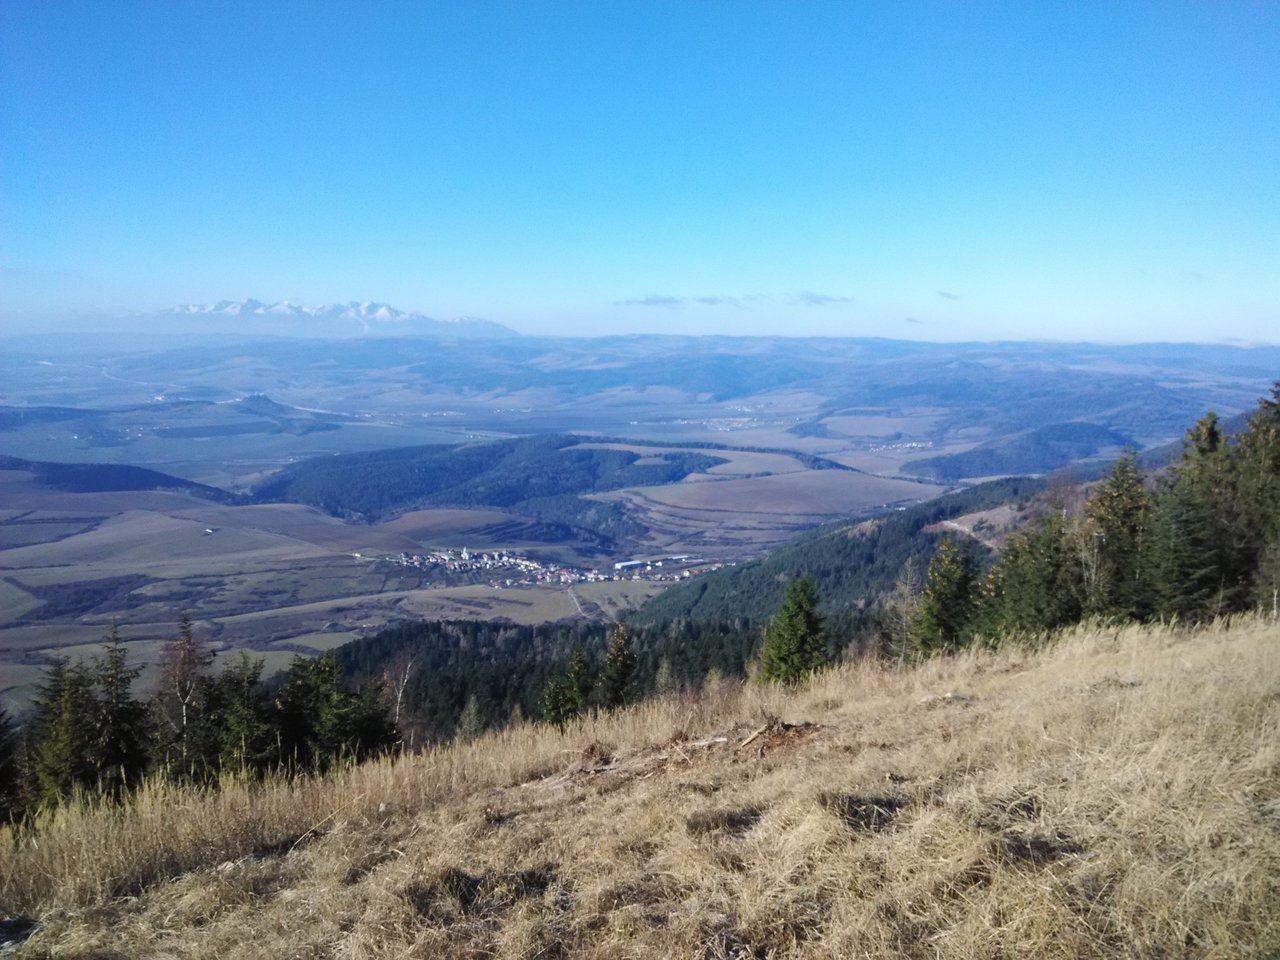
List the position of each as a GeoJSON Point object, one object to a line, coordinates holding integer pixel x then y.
{"type": "Point", "coordinates": [1114, 793]}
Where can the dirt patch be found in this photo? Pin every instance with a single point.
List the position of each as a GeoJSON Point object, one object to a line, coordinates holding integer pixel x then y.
{"type": "Point", "coordinates": [732, 820]}
{"type": "Point", "coordinates": [862, 812]}
{"type": "Point", "coordinates": [453, 891]}
{"type": "Point", "coordinates": [1025, 849]}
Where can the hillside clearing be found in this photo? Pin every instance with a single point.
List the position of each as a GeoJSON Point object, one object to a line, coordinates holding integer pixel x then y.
{"type": "Point", "coordinates": [1116, 794]}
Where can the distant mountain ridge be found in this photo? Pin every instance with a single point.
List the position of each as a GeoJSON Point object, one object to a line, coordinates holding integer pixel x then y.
{"type": "Point", "coordinates": [336, 319]}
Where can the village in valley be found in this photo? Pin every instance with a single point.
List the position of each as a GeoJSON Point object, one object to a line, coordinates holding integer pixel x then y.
{"type": "Point", "coordinates": [505, 568]}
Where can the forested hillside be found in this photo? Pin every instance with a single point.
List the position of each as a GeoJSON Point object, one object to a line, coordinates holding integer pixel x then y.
{"type": "Point", "coordinates": [108, 477]}
{"type": "Point", "coordinates": [1197, 541]}
{"type": "Point", "coordinates": [492, 672]}
{"type": "Point", "coordinates": [540, 475]}
{"type": "Point", "coordinates": [851, 564]}
{"type": "Point", "coordinates": [1036, 451]}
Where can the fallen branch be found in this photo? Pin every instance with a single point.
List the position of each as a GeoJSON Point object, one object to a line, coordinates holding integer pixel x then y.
{"type": "Point", "coordinates": [708, 742]}
{"type": "Point", "coordinates": [764, 729]}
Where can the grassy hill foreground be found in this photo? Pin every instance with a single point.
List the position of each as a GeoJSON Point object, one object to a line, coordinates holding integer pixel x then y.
{"type": "Point", "coordinates": [1116, 793]}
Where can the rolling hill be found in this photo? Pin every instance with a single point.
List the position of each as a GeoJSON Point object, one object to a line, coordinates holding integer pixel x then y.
{"type": "Point", "coordinates": [108, 478]}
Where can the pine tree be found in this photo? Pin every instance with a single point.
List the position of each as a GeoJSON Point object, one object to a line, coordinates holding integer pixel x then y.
{"type": "Point", "coordinates": [580, 678]}
{"type": "Point", "coordinates": [664, 682]}
{"type": "Point", "coordinates": [619, 671]}
{"type": "Point", "coordinates": [246, 740]}
{"type": "Point", "coordinates": [1118, 523]}
{"type": "Point", "coordinates": [121, 722]}
{"type": "Point", "coordinates": [947, 606]}
{"type": "Point", "coordinates": [1266, 584]}
{"type": "Point", "coordinates": [1036, 585]}
{"type": "Point", "coordinates": [901, 607]}
{"type": "Point", "coordinates": [559, 702]}
{"type": "Point", "coordinates": [1186, 567]}
{"type": "Point", "coordinates": [470, 723]}
{"type": "Point", "coordinates": [794, 643]}
{"type": "Point", "coordinates": [63, 733]}
{"type": "Point", "coordinates": [10, 770]}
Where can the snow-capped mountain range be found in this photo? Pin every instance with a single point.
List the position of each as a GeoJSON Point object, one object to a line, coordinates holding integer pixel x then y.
{"type": "Point", "coordinates": [352, 319]}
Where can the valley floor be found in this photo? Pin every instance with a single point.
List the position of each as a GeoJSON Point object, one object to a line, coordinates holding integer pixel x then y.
{"type": "Point", "coordinates": [1116, 794]}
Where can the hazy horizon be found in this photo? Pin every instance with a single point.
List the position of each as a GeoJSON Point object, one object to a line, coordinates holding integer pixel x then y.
{"type": "Point", "coordinates": [920, 171]}
{"type": "Point", "coordinates": [202, 327]}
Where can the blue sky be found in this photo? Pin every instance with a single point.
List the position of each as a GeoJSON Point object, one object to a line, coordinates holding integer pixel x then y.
{"type": "Point", "coordinates": [936, 171]}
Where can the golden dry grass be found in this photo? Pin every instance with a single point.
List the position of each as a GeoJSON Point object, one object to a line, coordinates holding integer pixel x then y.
{"type": "Point", "coordinates": [1114, 795]}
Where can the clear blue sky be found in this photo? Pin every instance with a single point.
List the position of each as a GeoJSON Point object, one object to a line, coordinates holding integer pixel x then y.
{"type": "Point", "coordinates": [929, 170]}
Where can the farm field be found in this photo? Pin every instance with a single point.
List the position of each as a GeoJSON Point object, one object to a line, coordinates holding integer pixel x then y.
{"type": "Point", "coordinates": [817, 493]}
{"type": "Point", "coordinates": [741, 516]}
{"type": "Point", "coordinates": [285, 579]}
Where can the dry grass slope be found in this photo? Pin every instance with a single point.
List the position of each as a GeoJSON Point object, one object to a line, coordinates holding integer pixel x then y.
{"type": "Point", "coordinates": [1114, 795]}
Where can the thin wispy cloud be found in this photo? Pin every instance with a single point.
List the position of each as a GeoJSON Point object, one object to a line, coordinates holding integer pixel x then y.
{"type": "Point", "coordinates": [654, 300]}
{"type": "Point", "coordinates": [947, 295]}
{"type": "Point", "coordinates": [806, 298]}
{"type": "Point", "coordinates": [912, 320]}
{"type": "Point", "coordinates": [811, 299]}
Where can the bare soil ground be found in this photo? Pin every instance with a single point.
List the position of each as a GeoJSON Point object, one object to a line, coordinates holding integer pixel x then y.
{"type": "Point", "coordinates": [1114, 794]}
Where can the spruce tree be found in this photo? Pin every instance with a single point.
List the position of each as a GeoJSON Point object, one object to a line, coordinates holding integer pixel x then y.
{"type": "Point", "coordinates": [313, 714]}
{"type": "Point", "coordinates": [10, 770]}
{"type": "Point", "coordinates": [559, 702]}
{"type": "Point", "coordinates": [580, 678]}
{"type": "Point", "coordinates": [63, 733]}
{"type": "Point", "coordinates": [1035, 587]}
{"type": "Point", "coordinates": [470, 723]}
{"type": "Point", "coordinates": [1186, 567]}
{"type": "Point", "coordinates": [121, 722]}
{"type": "Point", "coordinates": [1256, 459]}
{"type": "Point", "coordinates": [246, 739]}
{"type": "Point", "coordinates": [944, 618]}
{"type": "Point", "coordinates": [321, 724]}
{"type": "Point", "coordinates": [373, 731]}
{"type": "Point", "coordinates": [794, 643]}
{"type": "Point", "coordinates": [1118, 525]}
{"type": "Point", "coordinates": [619, 671]}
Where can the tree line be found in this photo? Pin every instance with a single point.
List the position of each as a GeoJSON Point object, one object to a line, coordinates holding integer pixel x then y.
{"type": "Point", "coordinates": [1197, 541]}
{"type": "Point", "coordinates": [91, 733]}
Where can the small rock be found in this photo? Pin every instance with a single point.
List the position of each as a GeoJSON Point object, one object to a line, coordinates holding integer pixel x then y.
{"type": "Point", "coordinates": [952, 697]}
